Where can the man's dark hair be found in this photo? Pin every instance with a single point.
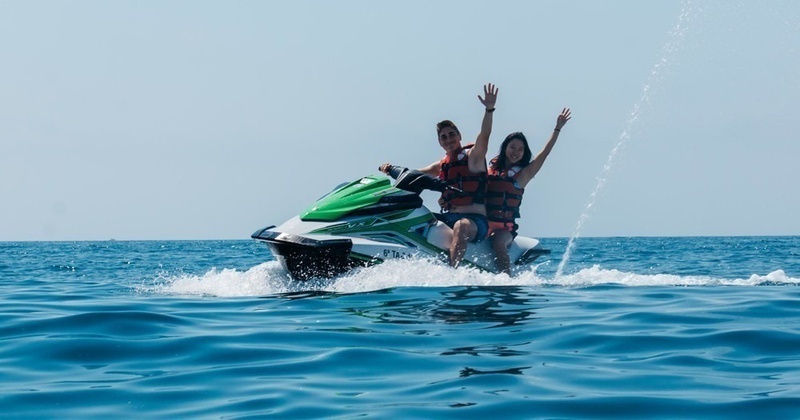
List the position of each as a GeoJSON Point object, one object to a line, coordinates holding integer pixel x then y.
{"type": "Point", "coordinates": [445, 124]}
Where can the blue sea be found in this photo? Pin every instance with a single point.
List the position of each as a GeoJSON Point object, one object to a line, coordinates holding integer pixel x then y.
{"type": "Point", "coordinates": [697, 327]}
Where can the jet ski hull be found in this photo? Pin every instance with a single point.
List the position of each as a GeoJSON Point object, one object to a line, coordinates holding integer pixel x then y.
{"type": "Point", "coordinates": [307, 255]}
{"type": "Point", "coordinates": [306, 258]}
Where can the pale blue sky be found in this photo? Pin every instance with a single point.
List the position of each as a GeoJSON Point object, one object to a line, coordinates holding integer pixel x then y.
{"type": "Point", "coordinates": [210, 119]}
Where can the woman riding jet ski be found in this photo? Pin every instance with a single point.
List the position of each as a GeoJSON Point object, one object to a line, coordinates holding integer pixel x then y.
{"type": "Point", "coordinates": [369, 221]}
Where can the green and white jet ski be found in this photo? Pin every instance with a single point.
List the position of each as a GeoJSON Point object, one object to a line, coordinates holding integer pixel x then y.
{"type": "Point", "coordinates": [369, 221]}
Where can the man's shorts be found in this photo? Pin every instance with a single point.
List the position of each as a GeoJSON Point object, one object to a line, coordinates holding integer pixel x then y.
{"type": "Point", "coordinates": [479, 220]}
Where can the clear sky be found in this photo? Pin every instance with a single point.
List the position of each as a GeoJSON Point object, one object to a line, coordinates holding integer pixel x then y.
{"type": "Point", "coordinates": [209, 119]}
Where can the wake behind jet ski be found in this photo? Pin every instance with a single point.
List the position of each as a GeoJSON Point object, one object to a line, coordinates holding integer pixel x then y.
{"type": "Point", "coordinates": [368, 221]}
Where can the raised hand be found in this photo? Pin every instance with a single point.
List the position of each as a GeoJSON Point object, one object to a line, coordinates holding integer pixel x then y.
{"type": "Point", "coordinates": [490, 93]}
{"type": "Point", "coordinates": [563, 118]}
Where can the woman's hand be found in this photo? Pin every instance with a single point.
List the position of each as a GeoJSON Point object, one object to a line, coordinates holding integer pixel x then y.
{"type": "Point", "coordinates": [563, 118]}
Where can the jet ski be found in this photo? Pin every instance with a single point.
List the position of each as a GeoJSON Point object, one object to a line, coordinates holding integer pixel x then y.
{"type": "Point", "coordinates": [369, 221]}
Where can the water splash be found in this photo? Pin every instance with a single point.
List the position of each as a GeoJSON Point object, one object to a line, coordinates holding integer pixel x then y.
{"type": "Point", "coordinates": [674, 41]}
{"type": "Point", "coordinates": [268, 279]}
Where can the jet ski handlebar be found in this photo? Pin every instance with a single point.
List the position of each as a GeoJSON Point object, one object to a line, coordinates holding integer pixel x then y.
{"type": "Point", "coordinates": [416, 181]}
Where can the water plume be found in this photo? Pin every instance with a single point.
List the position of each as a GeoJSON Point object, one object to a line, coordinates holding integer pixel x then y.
{"type": "Point", "coordinates": [674, 41]}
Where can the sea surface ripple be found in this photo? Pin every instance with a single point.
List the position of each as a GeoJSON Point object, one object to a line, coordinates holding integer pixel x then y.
{"type": "Point", "coordinates": [636, 327]}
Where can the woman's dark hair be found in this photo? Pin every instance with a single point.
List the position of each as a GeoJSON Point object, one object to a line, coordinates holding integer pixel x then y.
{"type": "Point", "coordinates": [499, 162]}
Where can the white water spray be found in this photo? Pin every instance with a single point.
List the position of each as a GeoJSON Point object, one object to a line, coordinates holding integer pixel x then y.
{"type": "Point", "coordinates": [675, 39]}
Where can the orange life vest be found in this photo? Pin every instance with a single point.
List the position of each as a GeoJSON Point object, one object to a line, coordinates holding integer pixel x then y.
{"type": "Point", "coordinates": [504, 196]}
{"type": "Point", "coordinates": [456, 173]}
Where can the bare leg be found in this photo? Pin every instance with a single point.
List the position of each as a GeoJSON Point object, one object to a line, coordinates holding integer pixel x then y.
{"type": "Point", "coordinates": [463, 232]}
{"type": "Point", "coordinates": [501, 239]}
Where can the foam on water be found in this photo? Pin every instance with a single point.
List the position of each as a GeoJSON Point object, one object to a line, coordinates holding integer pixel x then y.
{"type": "Point", "coordinates": [270, 279]}
{"type": "Point", "coordinates": [264, 279]}
{"type": "Point", "coordinates": [597, 276]}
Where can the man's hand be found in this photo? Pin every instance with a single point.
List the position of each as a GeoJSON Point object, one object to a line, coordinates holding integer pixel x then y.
{"type": "Point", "coordinates": [490, 92]}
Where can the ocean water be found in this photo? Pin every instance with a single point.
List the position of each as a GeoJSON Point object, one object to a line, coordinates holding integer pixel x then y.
{"type": "Point", "coordinates": [634, 327]}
